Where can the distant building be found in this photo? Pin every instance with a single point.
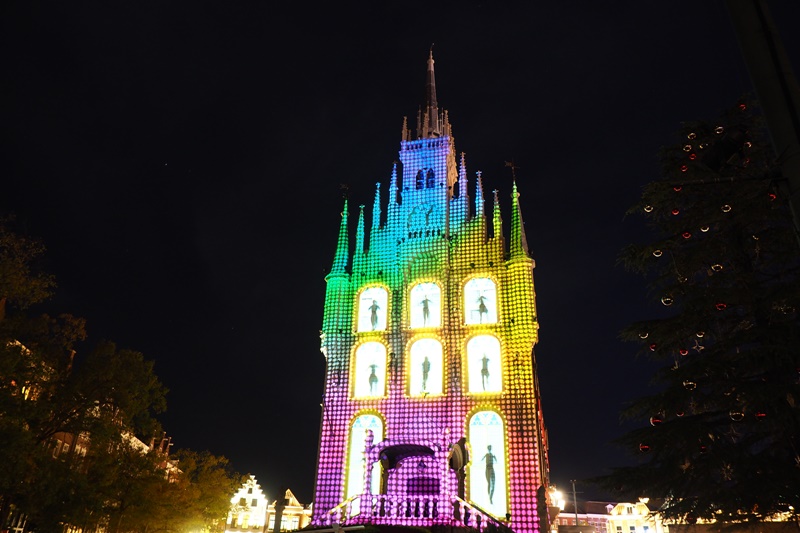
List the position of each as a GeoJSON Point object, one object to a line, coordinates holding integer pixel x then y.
{"type": "Point", "coordinates": [251, 511]}
{"type": "Point", "coordinates": [608, 517]}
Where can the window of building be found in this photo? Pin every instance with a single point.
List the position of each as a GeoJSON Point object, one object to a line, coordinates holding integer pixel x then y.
{"type": "Point", "coordinates": [484, 365]}
{"type": "Point", "coordinates": [254, 503]}
{"type": "Point", "coordinates": [425, 368]}
{"type": "Point", "coordinates": [430, 181]}
{"type": "Point", "coordinates": [355, 457]}
{"type": "Point", "coordinates": [369, 370]}
{"type": "Point", "coordinates": [487, 479]}
{"type": "Point", "coordinates": [372, 304]}
{"type": "Point", "coordinates": [425, 308]}
{"type": "Point", "coordinates": [250, 490]}
{"type": "Point", "coordinates": [243, 502]}
{"type": "Point", "coordinates": [420, 181]}
{"type": "Point", "coordinates": [480, 301]}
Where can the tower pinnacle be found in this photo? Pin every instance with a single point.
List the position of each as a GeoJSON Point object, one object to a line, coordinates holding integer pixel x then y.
{"type": "Point", "coordinates": [431, 106]}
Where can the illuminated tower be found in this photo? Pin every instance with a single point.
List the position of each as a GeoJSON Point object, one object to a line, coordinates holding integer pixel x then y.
{"type": "Point", "coordinates": [431, 412]}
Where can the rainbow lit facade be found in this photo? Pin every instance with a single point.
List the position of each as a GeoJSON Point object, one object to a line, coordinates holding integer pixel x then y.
{"type": "Point", "coordinates": [431, 412]}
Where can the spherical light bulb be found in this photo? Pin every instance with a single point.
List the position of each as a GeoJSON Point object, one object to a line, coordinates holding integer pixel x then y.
{"type": "Point", "coordinates": [644, 447]}
{"type": "Point", "coordinates": [716, 267]}
{"type": "Point", "coordinates": [689, 385]}
{"type": "Point", "coordinates": [656, 420]}
{"type": "Point", "coordinates": [666, 300]}
{"type": "Point", "coordinates": [657, 253]}
{"type": "Point", "coordinates": [726, 208]}
{"type": "Point", "coordinates": [648, 209]}
{"type": "Point", "coordinates": [691, 136]}
{"type": "Point", "coordinates": [676, 211]}
{"type": "Point", "coordinates": [643, 335]}
{"type": "Point", "coordinates": [736, 416]}
{"type": "Point", "coordinates": [719, 130]}
{"type": "Point", "coordinates": [705, 229]}
{"type": "Point", "coordinates": [721, 306]}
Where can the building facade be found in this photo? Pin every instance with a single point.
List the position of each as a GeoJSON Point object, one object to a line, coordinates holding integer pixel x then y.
{"type": "Point", "coordinates": [431, 412]}
{"type": "Point", "coordinates": [251, 511]}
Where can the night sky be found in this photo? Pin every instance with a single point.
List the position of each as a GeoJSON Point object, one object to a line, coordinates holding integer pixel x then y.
{"type": "Point", "coordinates": [184, 163]}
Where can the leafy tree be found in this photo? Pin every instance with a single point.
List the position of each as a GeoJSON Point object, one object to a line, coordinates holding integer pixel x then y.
{"type": "Point", "coordinates": [114, 482]}
{"type": "Point", "coordinates": [721, 435]}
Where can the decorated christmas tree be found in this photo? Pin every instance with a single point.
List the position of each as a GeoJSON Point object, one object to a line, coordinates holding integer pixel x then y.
{"type": "Point", "coordinates": [720, 436]}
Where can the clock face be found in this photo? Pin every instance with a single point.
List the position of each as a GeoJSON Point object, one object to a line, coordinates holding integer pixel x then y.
{"type": "Point", "coordinates": [425, 306]}
{"type": "Point", "coordinates": [372, 308]}
{"type": "Point", "coordinates": [480, 301]}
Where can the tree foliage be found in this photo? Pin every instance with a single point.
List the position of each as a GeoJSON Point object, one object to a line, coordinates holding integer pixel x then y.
{"type": "Point", "coordinates": [97, 402]}
{"type": "Point", "coordinates": [720, 438]}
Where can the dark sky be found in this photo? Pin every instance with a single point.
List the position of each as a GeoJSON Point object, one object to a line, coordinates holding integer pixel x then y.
{"type": "Point", "coordinates": [182, 161]}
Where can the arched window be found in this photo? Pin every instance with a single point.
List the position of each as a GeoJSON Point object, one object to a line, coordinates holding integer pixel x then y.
{"type": "Point", "coordinates": [480, 301]}
{"type": "Point", "coordinates": [420, 179]}
{"type": "Point", "coordinates": [430, 182]}
{"type": "Point", "coordinates": [425, 368]}
{"type": "Point", "coordinates": [356, 462]}
{"type": "Point", "coordinates": [487, 471]}
{"type": "Point", "coordinates": [369, 371]}
{"type": "Point", "coordinates": [425, 306]}
{"type": "Point", "coordinates": [484, 364]}
{"type": "Point", "coordinates": [372, 304]}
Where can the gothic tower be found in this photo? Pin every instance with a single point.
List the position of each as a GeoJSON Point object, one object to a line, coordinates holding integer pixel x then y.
{"type": "Point", "coordinates": [431, 412]}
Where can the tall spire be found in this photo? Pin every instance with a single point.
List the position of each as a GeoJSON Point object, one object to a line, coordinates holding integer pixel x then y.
{"type": "Point", "coordinates": [519, 244]}
{"type": "Point", "coordinates": [340, 259]}
{"type": "Point", "coordinates": [358, 255]}
{"type": "Point", "coordinates": [376, 209]}
{"type": "Point", "coordinates": [432, 108]}
{"type": "Point", "coordinates": [497, 221]}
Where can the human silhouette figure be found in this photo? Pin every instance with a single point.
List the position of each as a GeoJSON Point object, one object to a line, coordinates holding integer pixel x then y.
{"type": "Point", "coordinates": [426, 311]}
{"type": "Point", "coordinates": [373, 309]}
{"type": "Point", "coordinates": [482, 309]}
{"type": "Point", "coordinates": [373, 379]}
{"type": "Point", "coordinates": [426, 368]}
{"type": "Point", "coordinates": [490, 460]}
{"type": "Point", "coordinates": [484, 371]}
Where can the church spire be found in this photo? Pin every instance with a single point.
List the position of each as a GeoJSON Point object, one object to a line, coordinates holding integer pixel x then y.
{"type": "Point", "coordinates": [358, 255]}
{"type": "Point", "coordinates": [519, 244]}
{"type": "Point", "coordinates": [432, 107]}
{"type": "Point", "coordinates": [428, 118]}
{"type": "Point", "coordinates": [340, 259]}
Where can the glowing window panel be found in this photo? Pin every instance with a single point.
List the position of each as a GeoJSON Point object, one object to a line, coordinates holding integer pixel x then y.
{"type": "Point", "coordinates": [425, 306]}
{"type": "Point", "coordinates": [369, 372]}
{"type": "Point", "coordinates": [484, 365]}
{"type": "Point", "coordinates": [487, 470]}
{"type": "Point", "coordinates": [372, 308]}
{"type": "Point", "coordinates": [356, 462]}
{"type": "Point", "coordinates": [425, 368]}
{"type": "Point", "coordinates": [480, 301]}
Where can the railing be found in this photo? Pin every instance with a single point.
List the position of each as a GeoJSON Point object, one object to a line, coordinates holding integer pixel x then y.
{"type": "Point", "coordinates": [385, 509]}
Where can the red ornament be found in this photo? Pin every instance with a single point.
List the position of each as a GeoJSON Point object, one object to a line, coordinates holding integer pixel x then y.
{"type": "Point", "coordinates": [644, 448]}
{"type": "Point", "coordinates": [703, 448]}
{"type": "Point", "coordinates": [653, 347]}
{"type": "Point", "coordinates": [677, 188]}
{"type": "Point", "coordinates": [692, 156]}
{"type": "Point", "coordinates": [772, 196]}
{"type": "Point", "coordinates": [760, 415]}
{"type": "Point", "coordinates": [686, 235]}
{"type": "Point", "coordinates": [721, 306]}
{"type": "Point", "coordinates": [683, 352]}
{"type": "Point", "coordinates": [684, 168]}
{"type": "Point", "coordinates": [675, 211]}
{"type": "Point", "coordinates": [742, 106]}
{"type": "Point", "coordinates": [679, 413]}
{"type": "Point", "coordinates": [656, 420]}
